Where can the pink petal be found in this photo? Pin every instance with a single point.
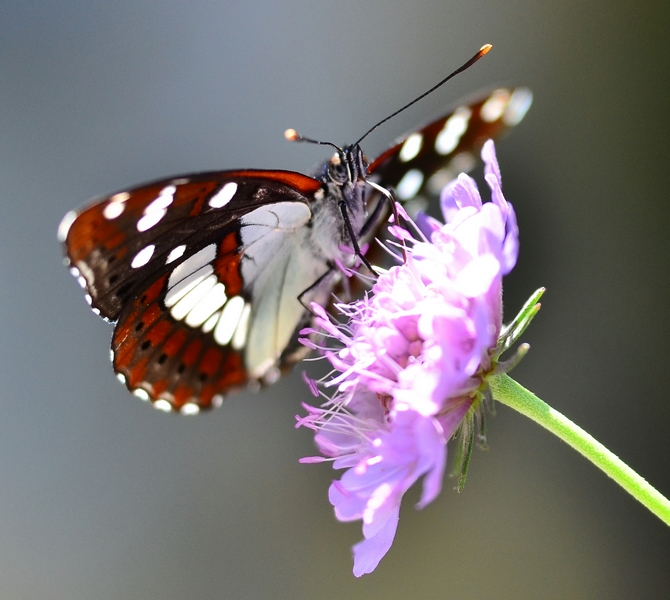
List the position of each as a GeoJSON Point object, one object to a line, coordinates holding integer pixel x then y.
{"type": "Point", "coordinates": [370, 551]}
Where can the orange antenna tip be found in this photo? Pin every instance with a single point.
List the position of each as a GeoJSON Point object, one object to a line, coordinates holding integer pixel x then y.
{"type": "Point", "coordinates": [291, 135]}
{"type": "Point", "coordinates": [485, 48]}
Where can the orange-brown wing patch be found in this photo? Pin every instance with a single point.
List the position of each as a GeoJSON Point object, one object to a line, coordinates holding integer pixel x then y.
{"type": "Point", "coordinates": [227, 265]}
{"type": "Point", "coordinates": [166, 360]}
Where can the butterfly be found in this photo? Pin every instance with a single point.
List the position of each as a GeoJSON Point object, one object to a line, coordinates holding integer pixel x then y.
{"type": "Point", "coordinates": [207, 276]}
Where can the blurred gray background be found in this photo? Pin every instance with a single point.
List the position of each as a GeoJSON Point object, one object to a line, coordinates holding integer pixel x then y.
{"type": "Point", "coordinates": [102, 497]}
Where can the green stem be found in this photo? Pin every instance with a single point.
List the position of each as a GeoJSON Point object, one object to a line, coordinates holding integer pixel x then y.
{"type": "Point", "coordinates": [509, 392]}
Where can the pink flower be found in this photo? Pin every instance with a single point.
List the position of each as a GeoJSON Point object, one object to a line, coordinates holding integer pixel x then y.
{"type": "Point", "coordinates": [384, 455]}
{"type": "Point", "coordinates": [413, 360]}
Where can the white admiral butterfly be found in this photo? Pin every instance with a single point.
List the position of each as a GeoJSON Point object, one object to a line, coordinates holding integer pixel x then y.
{"type": "Point", "coordinates": [207, 275]}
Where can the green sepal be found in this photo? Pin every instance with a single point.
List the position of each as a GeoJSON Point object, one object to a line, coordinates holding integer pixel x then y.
{"type": "Point", "coordinates": [511, 332]}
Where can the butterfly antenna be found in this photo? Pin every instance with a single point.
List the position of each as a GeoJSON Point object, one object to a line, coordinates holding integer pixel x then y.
{"type": "Point", "coordinates": [293, 136]}
{"type": "Point", "coordinates": [482, 51]}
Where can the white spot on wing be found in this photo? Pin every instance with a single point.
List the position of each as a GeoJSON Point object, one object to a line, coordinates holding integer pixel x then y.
{"type": "Point", "coordinates": [121, 377]}
{"type": "Point", "coordinates": [186, 285]}
{"type": "Point", "coordinates": [113, 210]}
{"type": "Point", "coordinates": [175, 253]}
{"type": "Point", "coordinates": [230, 317]}
{"type": "Point", "coordinates": [163, 405]}
{"type": "Point", "coordinates": [411, 147]}
{"type": "Point", "coordinates": [217, 400]}
{"type": "Point", "coordinates": [148, 221]}
{"type": "Point", "coordinates": [211, 322]}
{"type": "Point", "coordinates": [410, 184]}
{"type": "Point", "coordinates": [240, 337]}
{"type": "Point", "coordinates": [157, 208]}
{"type": "Point", "coordinates": [115, 206]}
{"type": "Point", "coordinates": [494, 107]}
{"type": "Point", "coordinates": [518, 106]}
{"type": "Point", "coordinates": [141, 394]}
{"type": "Point", "coordinates": [164, 199]}
{"type": "Point", "coordinates": [189, 409]}
{"type": "Point", "coordinates": [192, 264]}
{"type": "Point", "coordinates": [86, 271]}
{"type": "Point", "coordinates": [65, 224]}
{"type": "Point", "coordinates": [455, 126]}
{"type": "Point", "coordinates": [189, 301]}
{"type": "Point", "coordinates": [224, 195]}
{"type": "Point", "coordinates": [205, 308]}
{"type": "Point", "coordinates": [143, 256]}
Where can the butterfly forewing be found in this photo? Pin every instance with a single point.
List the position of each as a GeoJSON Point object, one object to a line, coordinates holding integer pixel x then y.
{"type": "Point", "coordinates": [422, 162]}
{"type": "Point", "coordinates": [122, 240]}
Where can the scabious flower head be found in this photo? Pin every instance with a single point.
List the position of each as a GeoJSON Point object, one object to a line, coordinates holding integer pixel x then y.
{"type": "Point", "coordinates": [412, 359]}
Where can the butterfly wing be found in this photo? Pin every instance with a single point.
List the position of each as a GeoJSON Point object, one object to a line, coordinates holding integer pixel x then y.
{"type": "Point", "coordinates": [202, 274]}
{"type": "Point", "coordinates": [422, 162]}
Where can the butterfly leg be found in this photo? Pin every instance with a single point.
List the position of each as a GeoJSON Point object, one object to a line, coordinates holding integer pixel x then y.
{"type": "Point", "coordinates": [315, 285]}
{"type": "Point", "coordinates": [372, 219]}
{"type": "Point", "coordinates": [387, 194]}
{"type": "Point", "coordinates": [354, 240]}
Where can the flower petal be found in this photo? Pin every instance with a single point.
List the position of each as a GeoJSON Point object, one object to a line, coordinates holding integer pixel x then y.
{"type": "Point", "coordinates": [370, 551]}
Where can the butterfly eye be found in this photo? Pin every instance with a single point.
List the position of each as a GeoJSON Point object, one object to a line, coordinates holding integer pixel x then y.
{"type": "Point", "coordinates": [337, 170]}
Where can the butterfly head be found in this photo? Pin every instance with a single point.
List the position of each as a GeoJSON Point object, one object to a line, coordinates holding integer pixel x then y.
{"type": "Point", "coordinates": [344, 176]}
{"type": "Point", "coordinates": [347, 166]}
{"type": "Point", "coordinates": [344, 172]}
